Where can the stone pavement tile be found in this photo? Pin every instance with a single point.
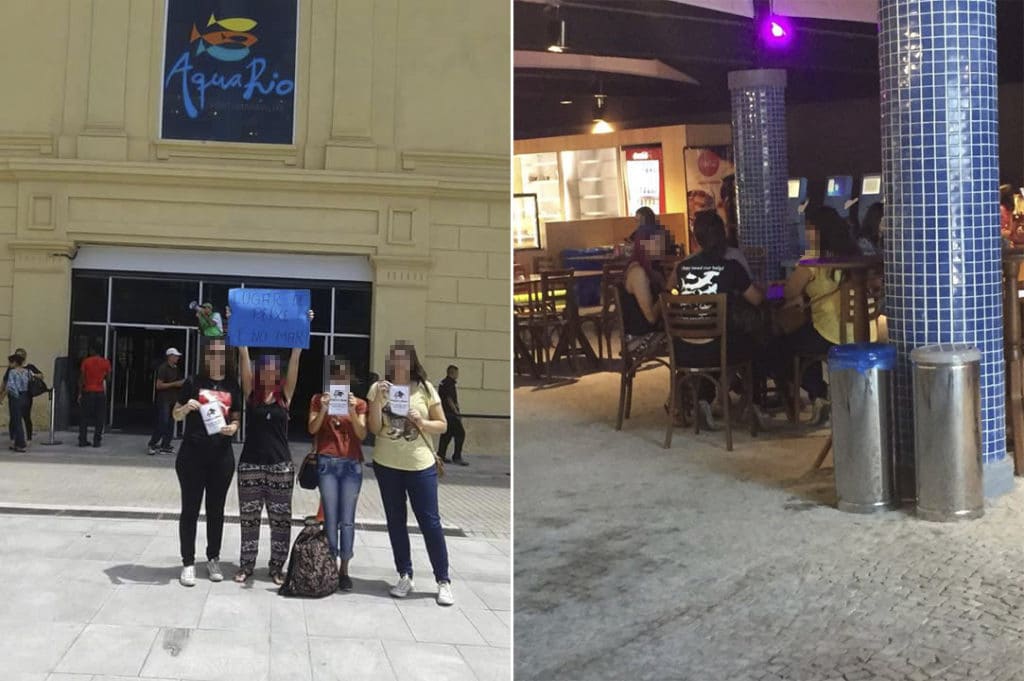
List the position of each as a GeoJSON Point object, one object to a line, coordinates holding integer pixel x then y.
{"type": "Point", "coordinates": [487, 663]}
{"type": "Point", "coordinates": [61, 601]}
{"type": "Point", "coordinates": [109, 649]}
{"type": "Point", "coordinates": [34, 646]}
{"type": "Point", "coordinates": [127, 678]}
{"type": "Point", "coordinates": [441, 625]}
{"type": "Point", "coordinates": [26, 676]}
{"type": "Point", "coordinates": [496, 595]}
{"type": "Point", "coordinates": [465, 598]}
{"type": "Point", "coordinates": [331, 617]}
{"type": "Point", "coordinates": [236, 608]}
{"type": "Point", "coordinates": [45, 544]}
{"type": "Point", "coordinates": [488, 566]}
{"type": "Point", "coordinates": [345, 659]}
{"type": "Point", "coordinates": [505, 616]}
{"type": "Point", "coordinates": [109, 546]}
{"type": "Point", "coordinates": [490, 626]}
{"type": "Point", "coordinates": [287, 616]}
{"type": "Point", "coordinates": [428, 662]}
{"type": "Point", "coordinates": [158, 606]}
{"type": "Point", "coordinates": [209, 655]}
{"type": "Point", "coordinates": [289, 658]}
{"type": "Point", "coordinates": [466, 545]}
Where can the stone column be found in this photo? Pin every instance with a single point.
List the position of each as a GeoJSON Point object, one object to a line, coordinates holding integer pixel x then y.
{"type": "Point", "coordinates": [759, 149]}
{"type": "Point", "coordinates": [940, 166]}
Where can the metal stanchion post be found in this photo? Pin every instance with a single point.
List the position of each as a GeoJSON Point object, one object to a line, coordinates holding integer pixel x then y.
{"type": "Point", "coordinates": [51, 441]}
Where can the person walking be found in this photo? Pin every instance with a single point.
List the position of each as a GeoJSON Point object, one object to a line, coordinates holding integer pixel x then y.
{"type": "Point", "coordinates": [206, 460]}
{"type": "Point", "coordinates": [266, 473]}
{"type": "Point", "coordinates": [167, 385]}
{"type": "Point", "coordinates": [92, 390]}
{"type": "Point", "coordinates": [16, 389]}
{"type": "Point", "coordinates": [450, 404]}
{"type": "Point", "coordinates": [337, 441]}
{"type": "Point", "coordinates": [26, 415]}
{"type": "Point", "coordinates": [404, 411]}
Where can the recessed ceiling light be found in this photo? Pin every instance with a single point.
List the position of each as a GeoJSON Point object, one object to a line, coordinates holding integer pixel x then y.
{"type": "Point", "coordinates": [566, 101]}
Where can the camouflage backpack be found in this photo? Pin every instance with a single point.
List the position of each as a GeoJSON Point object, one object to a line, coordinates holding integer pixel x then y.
{"type": "Point", "coordinates": [312, 571]}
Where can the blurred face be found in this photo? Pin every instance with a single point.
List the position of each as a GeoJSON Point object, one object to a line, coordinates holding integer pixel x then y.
{"type": "Point", "coordinates": [173, 360]}
{"type": "Point", "coordinates": [269, 370]}
{"type": "Point", "coordinates": [340, 372]}
{"type": "Point", "coordinates": [454, 373]}
{"type": "Point", "coordinates": [216, 357]}
{"type": "Point", "coordinates": [400, 365]}
{"type": "Point", "coordinates": [21, 353]}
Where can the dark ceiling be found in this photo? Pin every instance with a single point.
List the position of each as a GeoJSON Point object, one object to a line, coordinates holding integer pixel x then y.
{"type": "Point", "coordinates": [827, 60]}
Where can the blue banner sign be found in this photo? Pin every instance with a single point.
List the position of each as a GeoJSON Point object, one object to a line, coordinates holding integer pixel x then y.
{"type": "Point", "coordinates": [229, 71]}
{"type": "Point", "coordinates": [269, 318]}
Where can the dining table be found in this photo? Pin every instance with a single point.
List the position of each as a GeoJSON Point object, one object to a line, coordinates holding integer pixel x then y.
{"type": "Point", "coordinates": [573, 338]}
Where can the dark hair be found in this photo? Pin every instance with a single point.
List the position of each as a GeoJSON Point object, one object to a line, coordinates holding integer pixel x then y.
{"type": "Point", "coordinates": [15, 359]}
{"type": "Point", "coordinates": [647, 215]}
{"type": "Point", "coordinates": [871, 225]}
{"type": "Point", "coordinates": [834, 232]}
{"type": "Point", "coordinates": [416, 370]}
{"type": "Point", "coordinates": [20, 351]}
{"type": "Point", "coordinates": [710, 232]}
{"type": "Point", "coordinates": [204, 349]}
{"type": "Point", "coordinates": [1006, 196]}
{"type": "Point", "coordinates": [450, 367]}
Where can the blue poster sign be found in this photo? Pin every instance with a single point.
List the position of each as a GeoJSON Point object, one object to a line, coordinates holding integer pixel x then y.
{"type": "Point", "coordinates": [229, 71]}
{"type": "Point", "coordinates": [269, 318]}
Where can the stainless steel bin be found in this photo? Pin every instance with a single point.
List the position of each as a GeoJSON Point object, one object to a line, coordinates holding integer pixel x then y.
{"type": "Point", "coordinates": [947, 432]}
{"type": "Point", "coordinates": [862, 437]}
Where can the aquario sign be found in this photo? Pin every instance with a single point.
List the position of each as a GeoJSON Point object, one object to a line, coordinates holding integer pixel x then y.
{"type": "Point", "coordinates": [229, 71]}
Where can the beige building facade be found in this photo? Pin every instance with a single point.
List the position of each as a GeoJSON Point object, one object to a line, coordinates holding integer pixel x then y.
{"type": "Point", "coordinates": [396, 180]}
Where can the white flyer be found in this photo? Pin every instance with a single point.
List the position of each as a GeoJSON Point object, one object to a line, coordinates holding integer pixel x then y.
{"type": "Point", "coordinates": [398, 400]}
{"type": "Point", "coordinates": [339, 399]}
{"type": "Point", "coordinates": [213, 417]}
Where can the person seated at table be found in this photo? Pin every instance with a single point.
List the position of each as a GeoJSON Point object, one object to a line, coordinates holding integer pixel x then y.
{"type": "Point", "coordinates": [642, 284]}
{"type": "Point", "coordinates": [870, 234]}
{"type": "Point", "coordinates": [709, 272]}
{"type": "Point", "coordinates": [646, 216]}
{"type": "Point", "coordinates": [818, 287]}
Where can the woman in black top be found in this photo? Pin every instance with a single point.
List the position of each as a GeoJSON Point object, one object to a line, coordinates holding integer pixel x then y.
{"type": "Point", "coordinates": [638, 294]}
{"type": "Point", "coordinates": [266, 474]}
{"type": "Point", "coordinates": [206, 462]}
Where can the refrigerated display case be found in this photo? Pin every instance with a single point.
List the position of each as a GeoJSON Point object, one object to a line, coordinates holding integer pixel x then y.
{"type": "Point", "coordinates": [645, 181]}
{"type": "Point", "coordinates": [538, 174]}
{"type": "Point", "coordinates": [525, 222]}
{"type": "Point", "coordinates": [591, 187]}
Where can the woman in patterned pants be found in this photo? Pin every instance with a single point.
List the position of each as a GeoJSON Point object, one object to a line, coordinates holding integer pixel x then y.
{"type": "Point", "coordinates": [266, 474]}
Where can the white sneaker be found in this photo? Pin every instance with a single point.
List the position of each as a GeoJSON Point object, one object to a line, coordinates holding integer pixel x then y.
{"type": "Point", "coordinates": [214, 571]}
{"type": "Point", "coordinates": [707, 419]}
{"type": "Point", "coordinates": [403, 587]}
{"type": "Point", "coordinates": [444, 594]}
{"type": "Point", "coordinates": [820, 411]}
{"type": "Point", "coordinates": [188, 575]}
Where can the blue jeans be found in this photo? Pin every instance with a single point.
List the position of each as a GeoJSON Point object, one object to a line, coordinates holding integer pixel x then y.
{"type": "Point", "coordinates": [16, 408]}
{"type": "Point", "coordinates": [163, 433]}
{"type": "Point", "coordinates": [340, 479]}
{"type": "Point", "coordinates": [421, 489]}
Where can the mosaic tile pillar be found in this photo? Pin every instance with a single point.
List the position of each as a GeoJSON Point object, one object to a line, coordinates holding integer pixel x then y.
{"type": "Point", "coordinates": [759, 150]}
{"type": "Point", "coordinates": [940, 166]}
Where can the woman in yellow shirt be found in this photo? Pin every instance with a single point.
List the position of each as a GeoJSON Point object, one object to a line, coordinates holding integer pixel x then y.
{"type": "Point", "coordinates": [820, 287]}
{"type": "Point", "coordinates": [405, 465]}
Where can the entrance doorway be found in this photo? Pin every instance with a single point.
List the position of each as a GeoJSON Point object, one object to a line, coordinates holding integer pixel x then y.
{"type": "Point", "coordinates": [136, 354]}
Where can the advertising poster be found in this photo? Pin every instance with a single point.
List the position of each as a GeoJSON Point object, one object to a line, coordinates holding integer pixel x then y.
{"type": "Point", "coordinates": [229, 71]}
{"type": "Point", "coordinates": [706, 168]}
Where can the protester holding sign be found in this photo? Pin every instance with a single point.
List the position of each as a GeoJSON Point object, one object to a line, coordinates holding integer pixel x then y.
{"type": "Point", "coordinates": [266, 474]}
{"type": "Point", "coordinates": [337, 422]}
{"type": "Point", "coordinates": [405, 410]}
{"type": "Point", "coordinates": [206, 460]}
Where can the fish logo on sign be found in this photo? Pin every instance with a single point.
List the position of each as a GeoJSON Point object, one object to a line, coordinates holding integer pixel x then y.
{"type": "Point", "coordinates": [226, 39]}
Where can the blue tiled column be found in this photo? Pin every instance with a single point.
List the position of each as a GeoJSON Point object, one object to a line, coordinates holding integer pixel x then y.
{"type": "Point", "coordinates": [940, 167]}
{"type": "Point", "coordinates": [759, 148]}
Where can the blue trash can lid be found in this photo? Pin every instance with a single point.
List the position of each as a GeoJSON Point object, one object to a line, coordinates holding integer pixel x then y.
{"type": "Point", "coordinates": [945, 353]}
{"type": "Point", "coordinates": [862, 357]}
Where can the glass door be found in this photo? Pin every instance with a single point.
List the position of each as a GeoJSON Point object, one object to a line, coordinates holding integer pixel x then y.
{"type": "Point", "coordinates": [135, 354]}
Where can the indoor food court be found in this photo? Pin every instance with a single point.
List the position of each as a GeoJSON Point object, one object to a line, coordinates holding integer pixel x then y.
{"type": "Point", "coordinates": [767, 338]}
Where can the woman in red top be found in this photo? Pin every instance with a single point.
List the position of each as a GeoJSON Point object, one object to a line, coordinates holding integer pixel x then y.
{"type": "Point", "coordinates": [337, 439]}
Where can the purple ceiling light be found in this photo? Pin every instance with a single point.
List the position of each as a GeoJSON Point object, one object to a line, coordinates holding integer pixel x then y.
{"type": "Point", "coordinates": [776, 31]}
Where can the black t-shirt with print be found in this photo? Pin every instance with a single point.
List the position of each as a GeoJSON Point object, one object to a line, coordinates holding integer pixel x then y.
{"type": "Point", "coordinates": [266, 434]}
{"type": "Point", "coordinates": [701, 274]}
{"type": "Point", "coordinates": [206, 390]}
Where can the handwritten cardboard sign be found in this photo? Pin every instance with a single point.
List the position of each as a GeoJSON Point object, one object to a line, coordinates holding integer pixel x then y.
{"type": "Point", "coordinates": [269, 318]}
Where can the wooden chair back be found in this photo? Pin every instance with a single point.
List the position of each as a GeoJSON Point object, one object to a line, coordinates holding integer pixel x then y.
{"type": "Point", "coordinates": [701, 317]}
{"type": "Point", "coordinates": [847, 296]}
{"type": "Point", "coordinates": [558, 292]}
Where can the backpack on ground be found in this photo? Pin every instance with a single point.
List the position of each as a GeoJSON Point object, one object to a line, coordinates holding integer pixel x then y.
{"type": "Point", "coordinates": [312, 571]}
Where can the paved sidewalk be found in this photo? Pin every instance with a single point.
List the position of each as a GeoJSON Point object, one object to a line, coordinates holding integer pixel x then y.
{"type": "Point", "coordinates": [475, 500]}
{"type": "Point", "coordinates": [89, 599]}
{"type": "Point", "coordinates": [698, 564]}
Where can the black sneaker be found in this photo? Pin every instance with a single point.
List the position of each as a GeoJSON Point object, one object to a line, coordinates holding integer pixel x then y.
{"type": "Point", "coordinates": [460, 461]}
{"type": "Point", "coordinates": [167, 450]}
{"type": "Point", "coordinates": [96, 444]}
{"type": "Point", "coordinates": [344, 582]}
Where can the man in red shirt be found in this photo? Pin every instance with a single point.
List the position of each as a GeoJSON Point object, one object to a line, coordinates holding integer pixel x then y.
{"type": "Point", "coordinates": [92, 378]}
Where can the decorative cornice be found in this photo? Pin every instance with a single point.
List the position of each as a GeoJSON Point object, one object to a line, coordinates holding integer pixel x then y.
{"type": "Point", "coordinates": [272, 154]}
{"type": "Point", "coordinates": [26, 145]}
{"type": "Point", "coordinates": [42, 256]}
{"type": "Point", "coordinates": [401, 271]}
{"type": "Point", "coordinates": [496, 166]}
{"type": "Point", "coordinates": [235, 177]}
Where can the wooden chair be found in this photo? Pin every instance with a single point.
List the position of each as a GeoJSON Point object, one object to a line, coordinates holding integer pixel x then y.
{"type": "Point", "coordinates": [630, 363]}
{"type": "Point", "coordinates": [556, 315]}
{"type": "Point", "coordinates": [526, 330]}
{"type": "Point", "coordinates": [602, 317]}
{"type": "Point", "coordinates": [689, 318]}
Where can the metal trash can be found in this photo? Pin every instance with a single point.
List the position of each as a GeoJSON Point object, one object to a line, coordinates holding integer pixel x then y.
{"type": "Point", "coordinates": [947, 432]}
{"type": "Point", "coordinates": [862, 437]}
